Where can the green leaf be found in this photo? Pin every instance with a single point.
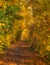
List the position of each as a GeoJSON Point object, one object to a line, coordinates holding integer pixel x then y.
{"type": "Point", "coordinates": [18, 17]}
{"type": "Point", "coordinates": [12, 9]}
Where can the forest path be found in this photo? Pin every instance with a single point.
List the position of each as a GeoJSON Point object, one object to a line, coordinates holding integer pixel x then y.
{"type": "Point", "coordinates": [20, 56]}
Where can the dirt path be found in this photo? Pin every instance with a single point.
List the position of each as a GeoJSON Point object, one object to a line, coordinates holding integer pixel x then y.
{"type": "Point", "coordinates": [20, 56]}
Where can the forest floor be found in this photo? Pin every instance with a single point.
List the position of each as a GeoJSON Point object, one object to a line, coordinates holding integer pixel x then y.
{"type": "Point", "coordinates": [20, 56]}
